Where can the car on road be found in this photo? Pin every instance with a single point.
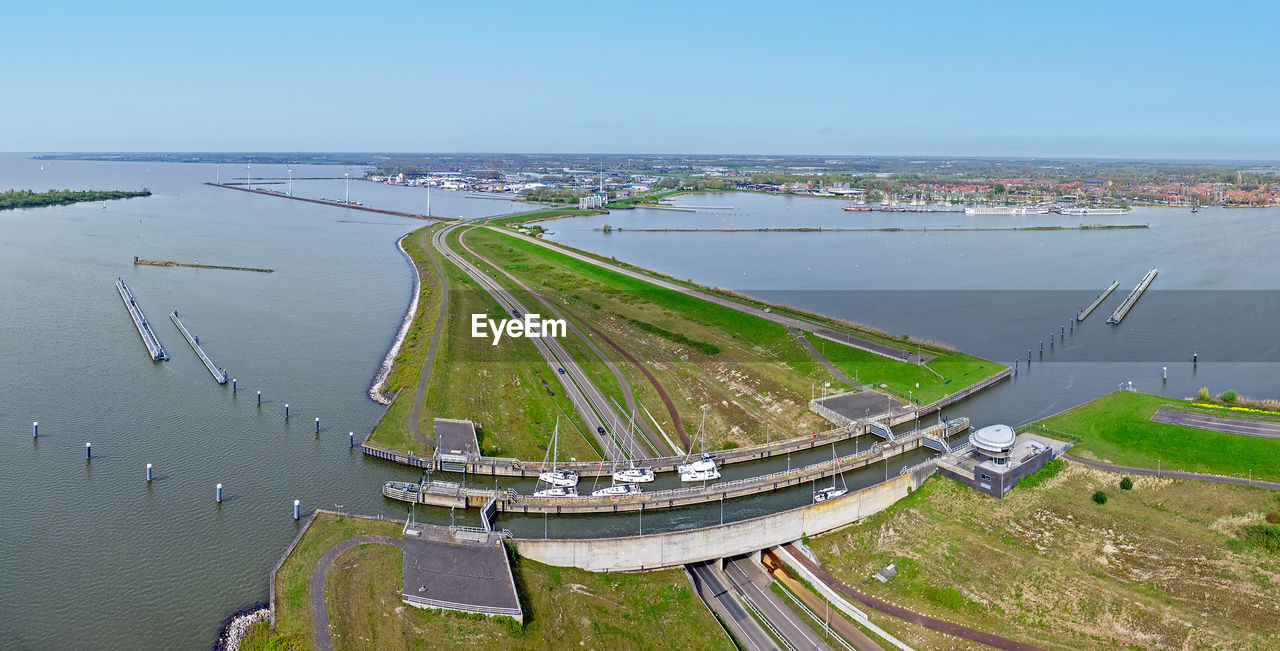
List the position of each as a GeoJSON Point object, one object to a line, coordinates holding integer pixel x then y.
{"type": "Point", "coordinates": [561, 371]}
{"type": "Point", "coordinates": [599, 429]}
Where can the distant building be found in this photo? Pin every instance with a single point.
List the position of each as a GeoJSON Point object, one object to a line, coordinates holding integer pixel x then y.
{"type": "Point", "coordinates": [591, 202]}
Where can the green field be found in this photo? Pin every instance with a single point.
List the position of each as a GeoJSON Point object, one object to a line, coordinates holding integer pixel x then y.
{"type": "Point", "coordinates": [497, 387]}
{"type": "Point", "coordinates": [748, 372]}
{"type": "Point", "coordinates": [563, 607]}
{"type": "Point", "coordinates": [1162, 566]}
{"type": "Point", "coordinates": [945, 374]}
{"type": "Point", "coordinates": [1117, 428]}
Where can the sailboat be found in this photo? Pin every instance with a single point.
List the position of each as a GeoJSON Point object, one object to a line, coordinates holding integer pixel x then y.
{"type": "Point", "coordinates": [831, 492]}
{"type": "Point", "coordinates": [704, 468]}
{"type": "Point", "coordinates": [617, 490]}
{"type": "Point", "coordinates": [632, 474]}
{"type": "Point", "coordinates": [557, 477]}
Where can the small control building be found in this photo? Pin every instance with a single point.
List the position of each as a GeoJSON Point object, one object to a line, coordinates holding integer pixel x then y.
{"type": "Point", "coordinates": [997, 457]}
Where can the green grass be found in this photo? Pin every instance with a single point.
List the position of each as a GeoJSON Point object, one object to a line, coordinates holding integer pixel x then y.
{"type": "Point", "coordinates": [951, 372]}
{"type": "Point", "coordinates": [1117, 428]}
{"type": "Point", "coordinates": [1160, 566]}
{"type": "Point", "coordinates": [564, 607]}
{"type": "Point", "coordinates": [392, 431]}
{"type": "Point", "coordinates": [759, 374]}
{"type": "Point", "coordinates": [294, 627]}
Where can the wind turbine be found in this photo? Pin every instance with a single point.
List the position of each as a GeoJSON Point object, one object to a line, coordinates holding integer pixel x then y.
{"type": "Point", "coordinates": [249, 175]}
{"type": "Point", "coordinates": [347, 180]}
{"type": "Point", "coordinates": [291, 181]}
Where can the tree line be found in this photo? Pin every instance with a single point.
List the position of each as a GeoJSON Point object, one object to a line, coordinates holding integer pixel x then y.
{"type": "Point", "coordinates": [30, 198]}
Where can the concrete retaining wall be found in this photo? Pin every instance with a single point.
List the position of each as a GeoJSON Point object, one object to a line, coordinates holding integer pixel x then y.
{"type": "Point", "coordinates": [708, 543]}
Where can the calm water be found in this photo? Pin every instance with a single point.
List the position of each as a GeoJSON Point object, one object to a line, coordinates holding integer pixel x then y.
{"type": "Point", "coordinates": [998, 294]}
{"type": "Point", "coordinates": [91, 556]}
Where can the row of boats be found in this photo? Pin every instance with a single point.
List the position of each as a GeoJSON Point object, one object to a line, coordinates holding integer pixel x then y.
{"type": "Point", "coordinates": [563, 483]}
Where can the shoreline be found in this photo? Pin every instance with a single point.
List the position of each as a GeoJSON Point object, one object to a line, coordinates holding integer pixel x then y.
{"type": "Point", "coordinates": [236, 626]}
{"type": "Point", "coordinates": [388, 361]}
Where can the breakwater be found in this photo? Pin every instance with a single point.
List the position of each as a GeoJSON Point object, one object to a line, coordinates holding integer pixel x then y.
{"type": "Point", "coordinates": [327, 202]}
{"type": "Point", "coordinates": [388, 361]}
{"type": "Point", "coordinates": [171, 263]}
{"type": "Point", "coordinates": [219, 374]}
{"type": "Point", "coordinates": [140, 320]}
{"type": "Point", "coordinates": [883, 229]}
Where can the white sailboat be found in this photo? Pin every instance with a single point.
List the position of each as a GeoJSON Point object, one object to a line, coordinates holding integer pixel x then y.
{"type": "Point", "coordinates": [831, 492]}
{"type": "Point", "coordinates": [557, 477]}
{"type": "Point", "coordinates": [704, 468]}
{"type": "Point", "coordinates": [632, 474]}
{"type": "Point", "coordinates": [557, 491]}
{"type": "Point", "coordinates": [617, 490]}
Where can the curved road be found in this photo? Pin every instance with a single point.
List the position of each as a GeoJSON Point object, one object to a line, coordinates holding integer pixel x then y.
{"type": "Point", "coordinates": [577, 385]}
{"type": "Point", "coordinates": [425, 374]}
{"type": "Point", "coordinates": [319, 610]}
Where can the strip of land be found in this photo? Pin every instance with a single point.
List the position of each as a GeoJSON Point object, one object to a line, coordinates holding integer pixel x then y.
{"type": "Point", "coordinates": [1245, 426]}
{"type": "Point", "coordinates": [171, 263]}
{"type": "Point", "coordinates": [327, 202]}
{"type": "Point", "coordinates": [31, 199]}
{"type": "Point", "coordinates": [885, 229]}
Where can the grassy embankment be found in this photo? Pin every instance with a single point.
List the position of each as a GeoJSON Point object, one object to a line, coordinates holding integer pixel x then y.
{"type": "Point", "coordinates": [564, 607]}
{"type": "Point", "coordinates": [1164, 565]}
{"type": "Point", "coordinates": [1117, 428]}
{"type": "Point", "coordinates": [30, 198]}
{"type": "Point", "coordinates": [748, 371]}
{"type": "Point", "coordinates": [947, 373]}
{"type": "Point", "coordinates": [498, 387]}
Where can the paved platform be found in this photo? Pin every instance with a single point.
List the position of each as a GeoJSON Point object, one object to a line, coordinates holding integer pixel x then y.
{"type": "Point", "coordinates": [854, 406]}
{"type": "Point", "coordinates": [456, 440]}
{"type": "Point", "coordinates": [1248, 427]}
{"type": "Point", "coordinates": [467, 573]}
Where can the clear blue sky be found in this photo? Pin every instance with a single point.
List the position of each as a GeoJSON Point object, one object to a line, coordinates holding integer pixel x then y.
{"type": "Point", "coordinates": [1083, 79]}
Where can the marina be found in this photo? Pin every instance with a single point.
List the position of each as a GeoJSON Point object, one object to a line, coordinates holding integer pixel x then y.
{"type": "Point", "coordinates": [1084, 314]}
{"type": "Point", "coordinates": [219, 374]}
{"type": "Point", "coordinates": [1132, 298]}
{"type": "Point", "coordinates": [140, 320]}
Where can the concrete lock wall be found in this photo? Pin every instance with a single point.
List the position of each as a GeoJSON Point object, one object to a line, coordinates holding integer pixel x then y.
{"type": "Point", "coordinates": [677, 548]}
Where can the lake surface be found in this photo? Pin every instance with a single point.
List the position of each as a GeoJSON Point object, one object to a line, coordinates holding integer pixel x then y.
{"type": "Point", "coordinates": [93, 556]}
{"type": "Point", "coordinates": [997, 294]}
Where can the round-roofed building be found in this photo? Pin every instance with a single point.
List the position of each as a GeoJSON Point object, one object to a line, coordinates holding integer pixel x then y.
{"type": "Point", "coordinates": [994, 441]}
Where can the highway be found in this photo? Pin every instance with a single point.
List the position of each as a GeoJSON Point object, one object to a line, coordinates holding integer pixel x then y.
{"type": "Point", "coordinates": [753, 583]}
{"type": "Point", "coordinates": [719, 598]}
{"type": "Point", "coordinates": [590, 403]}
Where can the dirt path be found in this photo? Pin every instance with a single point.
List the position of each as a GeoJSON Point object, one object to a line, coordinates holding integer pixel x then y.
{"type": "Point", "coordinates": [319, 610]}
{"type": "Point", "coordinates": [425, 375]}
{"type": "Point", "coordinates": [910, 615]}
{"type": "Point", "coordinates": [1177, 474]}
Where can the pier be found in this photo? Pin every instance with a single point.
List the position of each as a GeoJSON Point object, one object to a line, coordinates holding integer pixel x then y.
{"type": "Point", "coordinates": [1084, 314]}
{"type": "Point", "coordinates": [454, 495]}
{"type": "Point", "coordinates": [218, 374]}
{"type": "Point", "coordinates": [1123, 310]}
{"type": "Point", "coordinates": [140, 320]}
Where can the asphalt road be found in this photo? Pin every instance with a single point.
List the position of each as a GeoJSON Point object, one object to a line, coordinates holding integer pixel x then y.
{"type": "Point", "coordinates": [744, 627]}
{"type": "Point", "coordinates": [754, 584]}
{"type": "Point", "coordinates": [1245, 426]}
{"type": "Point", "coordinates": [591, 405]}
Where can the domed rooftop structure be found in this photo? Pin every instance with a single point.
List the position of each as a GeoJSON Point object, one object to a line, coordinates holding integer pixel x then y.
{"type": "Point", "coordinates": [995, 441]}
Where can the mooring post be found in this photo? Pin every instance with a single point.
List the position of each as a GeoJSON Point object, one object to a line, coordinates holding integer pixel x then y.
{"type": "Point", "coordinates": [218, 496]}
{"type": "Point", "coordinates": [233, 385]}
{"type": "Point", "coordinates": [88, 450]}
{"type": "Point", "coordinates": [1164, 373]}
{"type": "Point", "coordinates": [148, 473]}
{"type": "Point", "coordinates": [1195, 358]}
{"type": "Point", "coordinates": [286, 411]}
{"type": "Point", "coordinates": [1028, 355]}
{"type": "Point", "coordinates": [259, 398]}
{"type": "Point", "coordinates": [317, 424]}
{"type": "Point", "coordinates": [1042, 345]}
{"type": "Point", "coordinates": [297, 509]}
{"type": "Point", "coordinates": [351, 439]}
{"type": "Point", "coordinates": [35, 430]}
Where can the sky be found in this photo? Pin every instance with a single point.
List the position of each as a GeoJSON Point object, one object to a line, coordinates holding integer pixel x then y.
{"type": "Point", "coordinates": [1082, 79]}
